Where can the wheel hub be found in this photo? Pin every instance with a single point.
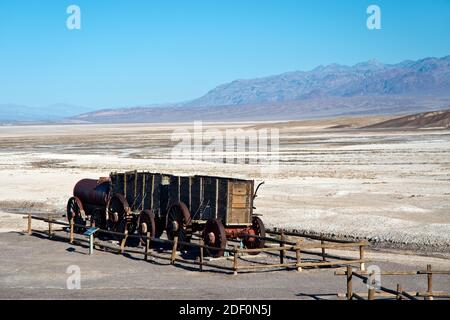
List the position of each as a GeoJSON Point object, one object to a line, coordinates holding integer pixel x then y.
{"type": "Point", "coordinates": [143, 227]}
{"type": "Point", "coordinates": [212, 238]}
{"type": "Point", "coordinates": [115, 217]}
{"type": "Point", "coordinates": [175, 226]}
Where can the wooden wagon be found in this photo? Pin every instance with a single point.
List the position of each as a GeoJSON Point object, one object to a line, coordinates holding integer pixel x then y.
{"type": "Point", "coordinates": [217, 207]}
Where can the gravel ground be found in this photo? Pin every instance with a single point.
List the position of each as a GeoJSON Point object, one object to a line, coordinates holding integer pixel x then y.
{"type": "Point", "coordinates": [33, 267]}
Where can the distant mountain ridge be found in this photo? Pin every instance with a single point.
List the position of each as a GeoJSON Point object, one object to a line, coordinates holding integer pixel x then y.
{"type": "Point", "coordinates": [426, 76]}
{"type": "Point", "coordinates": [367, 88]}
{"type": "Point", "coordinates": [326, 91]}
{"type": "Point", "coordinates": [329, 107]}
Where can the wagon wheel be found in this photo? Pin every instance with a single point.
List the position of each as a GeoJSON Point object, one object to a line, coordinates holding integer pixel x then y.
{"type": "Point", "coordinates": [117, 210]}
{"type": "Point", "coordinates": [98, 218]}
{"type": "Point", "coordinates": [257, 229]}
{"type": "Point", "coordinates": [75, 211]}
{"type": "Point", "coordinates": [127, 223]}
{"type": "Point", "coordinates": [177, 222]}
{"type": "Point", "coordinates": [214, 236]}
{"type": "Point", "coordinates": [146, 223]}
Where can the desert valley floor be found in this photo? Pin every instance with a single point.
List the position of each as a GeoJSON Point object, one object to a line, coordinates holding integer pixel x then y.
{"type": "Point", "coordinates": [389, 186]}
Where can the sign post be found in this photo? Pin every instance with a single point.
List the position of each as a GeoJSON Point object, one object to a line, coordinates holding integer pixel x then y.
{"type": "Point", "coordinates": [90, 233]}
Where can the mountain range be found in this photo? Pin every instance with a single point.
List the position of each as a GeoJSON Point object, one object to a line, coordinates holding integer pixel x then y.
{"type": "Point", "coordinates": [334, 90]}
{"type": "Point", "coordinates": [426, 76]}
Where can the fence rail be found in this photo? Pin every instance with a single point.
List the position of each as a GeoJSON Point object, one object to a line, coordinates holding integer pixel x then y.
{"type": "Point", "coordinates": [384, 292]}
{"type": "Point", "coordinates": [281, 247]}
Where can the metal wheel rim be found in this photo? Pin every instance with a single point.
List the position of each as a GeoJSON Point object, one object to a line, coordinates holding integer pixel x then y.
{"type": "Point", "coordinates": [260, 230]}
{"type": "Point", "coordinates": [179, 213]}
{"type": "Point", "coordinates": [215, 227]}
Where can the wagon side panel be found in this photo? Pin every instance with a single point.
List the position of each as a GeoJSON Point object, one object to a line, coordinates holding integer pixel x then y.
{"type": "Point", "coordinates": [129, 188]}
{"type": "Point", "coordinates": [209, 197]}
{"type": "Point", "coordinates": [196, 196]}
{"type": "Point", "coordinates": [138, 191]}
{"type": "Point", "coordinates": [222, 200]}
{"type": "Point", "coordinates": [117, 182]}
{"type": "Point", "coordinates": [185, 194]}
{"type": "Point", "coordinates": [147, 190]}
{"type": "Point", "coordinates": [174, 189]}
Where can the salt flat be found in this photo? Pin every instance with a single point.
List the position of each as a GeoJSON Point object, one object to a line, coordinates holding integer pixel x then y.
{"type": "Point", "coordinates": [389, 186]}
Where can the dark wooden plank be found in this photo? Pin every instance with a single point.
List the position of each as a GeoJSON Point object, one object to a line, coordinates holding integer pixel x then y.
{"type": "Point", "coordinates": [222, 200]}
{"type": "Point", "coordinates": [184, 191]}
{"type": "Point", "coordinates": [195, 195]}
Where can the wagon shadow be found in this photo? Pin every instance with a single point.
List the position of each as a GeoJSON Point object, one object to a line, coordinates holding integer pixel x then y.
{"type": "Point", "coordinates": [72, 249]}
{"type": "Point", "coordinates": [155, 260]}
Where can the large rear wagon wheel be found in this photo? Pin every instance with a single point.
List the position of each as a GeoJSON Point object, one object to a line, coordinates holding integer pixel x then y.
{"type": "Point", "coordinates": [214, 236]}
{"type": "Point", "coordinates": [129, 224]}
{"type": "Point", "coordinates": [178, 221]}
{"type": "Point", "coordinates": [98, 218]}
{"type": "Point", "coordinates": [257, 229]}
{"type": "Point", "coordinates": [117, 211]}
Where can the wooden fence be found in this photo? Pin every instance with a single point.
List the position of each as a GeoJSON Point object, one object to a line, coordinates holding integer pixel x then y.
{"type": "Point", "coordinates": [383, 292]}
{"type": "Point", "coordinates": [280, 247]}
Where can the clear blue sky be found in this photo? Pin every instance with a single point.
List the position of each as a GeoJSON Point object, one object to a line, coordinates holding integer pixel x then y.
{"type": "Point", "coordinates": [135, 52]}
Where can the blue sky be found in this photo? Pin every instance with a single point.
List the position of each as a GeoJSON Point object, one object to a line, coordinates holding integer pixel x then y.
{"type": "Point", "coordinates": [130, 53]}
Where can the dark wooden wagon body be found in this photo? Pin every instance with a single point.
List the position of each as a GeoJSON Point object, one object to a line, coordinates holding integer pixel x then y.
{"type": "Point", "coordinates": [227, 199]}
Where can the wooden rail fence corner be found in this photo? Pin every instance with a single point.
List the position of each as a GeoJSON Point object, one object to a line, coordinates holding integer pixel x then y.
{"type": "Point", "coordinates": [349, 283]}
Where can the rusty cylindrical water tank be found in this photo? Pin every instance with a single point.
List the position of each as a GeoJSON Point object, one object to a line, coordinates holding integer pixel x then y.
{"type": "Point", "coordinates": [92, 192]}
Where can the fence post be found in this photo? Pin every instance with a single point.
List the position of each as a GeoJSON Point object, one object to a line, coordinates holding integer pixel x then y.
{"type": "Point", "coordinates": [50, 229]}
{"type": "Point", "coordinates": [91, 244]}
{"type": "Point", "coordinates": [71, 231]}
{"type": "Point", "coordinates": [323, 250]}
{"type": "Point", "coordinates": [370, 285]}
{"type": "Point", "coordinates": [147, 246]}
{"type": "Point", "coordinates": [29, 224]}
{"type": "Point", "coordinates": [201, 254]}
{"type": "Point", "coordinates": [282, 252]}
{"type": "Point", "coordinates": [235, 261]}
{"type": "Point", "coordinates": [399, 291]}
{"type": "Point", "coordinates": [349, 283]}
{"type": "Point", "coordinates": [371, 293]}
{"type": "Point", "coordinates": [298, 256]}
{"type": "Point", "coordinates": [362, 266]}
{"type": "Point", "coordinates": [124, 241]}
{"type": "Point", "coordinates": [430, 283]}
{"type": "Point", "coordinates": [174, 250]}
